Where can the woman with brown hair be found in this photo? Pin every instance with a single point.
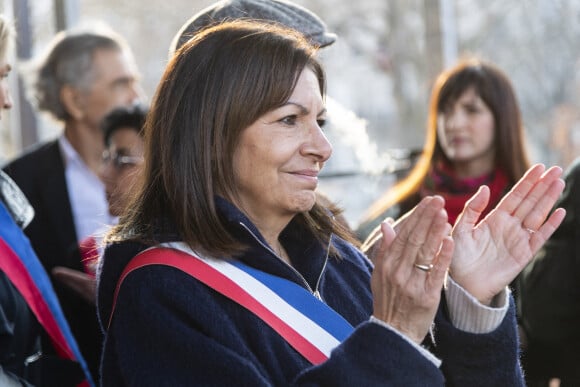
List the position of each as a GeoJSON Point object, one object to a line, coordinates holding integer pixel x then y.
{"type": "Point", "coordinates": [226, 269]}
{"type": "Point", "coordinates": [475, 137]}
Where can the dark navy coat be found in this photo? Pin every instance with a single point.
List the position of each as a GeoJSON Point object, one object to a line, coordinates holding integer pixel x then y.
{"type": "Point", "coordinates": [169, 329]}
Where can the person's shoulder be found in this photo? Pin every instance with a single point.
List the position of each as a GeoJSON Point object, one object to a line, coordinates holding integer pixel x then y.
{"type": "Point", "coordinates": [35, 166]}
{"type": "Point", "coordinates": [33, 156]}
{"type": "Point", "coordinates": [115, 258]}
{"type": "Point", "coordinates": [123, 251]}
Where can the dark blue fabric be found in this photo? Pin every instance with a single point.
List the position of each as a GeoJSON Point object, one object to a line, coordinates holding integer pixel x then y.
{"type": "Point", "coordinates": [170, 330]}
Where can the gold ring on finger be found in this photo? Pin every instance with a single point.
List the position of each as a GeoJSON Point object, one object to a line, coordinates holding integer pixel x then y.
{"type": "Point", "coordinates": [425, 268]}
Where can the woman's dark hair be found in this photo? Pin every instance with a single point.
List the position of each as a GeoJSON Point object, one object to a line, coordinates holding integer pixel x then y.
{"type": "Point", "coordinates": [123, 117]}
{"type": "Point", "coordinates": [216, 85]}
{"type": "Point", "coordinates": [496, 91]}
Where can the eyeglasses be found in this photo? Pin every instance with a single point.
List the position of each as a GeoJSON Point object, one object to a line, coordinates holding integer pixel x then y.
{"type": "Point", "coordinates": [121, 161]}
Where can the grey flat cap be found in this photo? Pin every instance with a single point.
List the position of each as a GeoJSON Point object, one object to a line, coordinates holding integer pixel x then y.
{"type": "Point", "coordinates": [278, 11]}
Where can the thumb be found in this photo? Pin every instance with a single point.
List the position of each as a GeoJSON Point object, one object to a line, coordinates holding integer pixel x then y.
{"type": "Point", "coordinates": [472, 210]}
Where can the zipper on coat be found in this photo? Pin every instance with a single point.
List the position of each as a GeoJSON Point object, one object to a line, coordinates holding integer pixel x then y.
{"type": "Point", "coordinates": [314, 292]}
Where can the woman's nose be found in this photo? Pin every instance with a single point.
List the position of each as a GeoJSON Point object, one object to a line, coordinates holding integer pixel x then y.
{"type": "Point", "coordinates": [318, 144]}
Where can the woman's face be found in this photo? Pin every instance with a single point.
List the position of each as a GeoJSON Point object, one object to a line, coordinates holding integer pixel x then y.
{"type": "Point", "coordinates": [466, 132]}
{"type": "Point", "coordinates": [121, 164]}
{"type": "Point", "coordinates": [280, 155]}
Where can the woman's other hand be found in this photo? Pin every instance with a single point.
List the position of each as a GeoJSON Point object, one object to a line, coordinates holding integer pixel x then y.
{"type": "Point", "coordinates": [490, 254]}
{"type": "Point", "coordinates": [410, 267]}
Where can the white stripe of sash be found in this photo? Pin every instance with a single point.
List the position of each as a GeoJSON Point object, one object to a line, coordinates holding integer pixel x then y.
{"type": "Point", "coordinates": [307, 328]}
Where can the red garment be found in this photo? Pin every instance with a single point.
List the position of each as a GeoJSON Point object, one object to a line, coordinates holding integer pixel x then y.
{"type": "Point", "coordinates": [442, 181]}
{"type": "Point", "coordinates": [90, 249]}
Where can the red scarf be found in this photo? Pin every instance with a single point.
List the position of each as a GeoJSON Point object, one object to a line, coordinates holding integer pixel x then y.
{"type": "Point", "coordinates": [441, 180]}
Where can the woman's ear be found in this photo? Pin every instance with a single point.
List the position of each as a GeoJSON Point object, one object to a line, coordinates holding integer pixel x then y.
{"type": "Point", "coordinates": [72, 100]}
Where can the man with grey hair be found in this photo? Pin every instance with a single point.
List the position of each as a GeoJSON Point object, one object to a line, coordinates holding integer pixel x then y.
{"type": "Point", "coordinates": [82, 77]}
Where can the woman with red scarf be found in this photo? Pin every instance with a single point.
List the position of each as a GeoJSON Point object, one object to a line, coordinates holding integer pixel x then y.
{"type": "Point", "coordinates": [474, 137]}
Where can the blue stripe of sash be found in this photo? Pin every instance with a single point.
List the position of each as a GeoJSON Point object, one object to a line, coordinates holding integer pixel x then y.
{"type": "Point", "coordinates": [304, 301]}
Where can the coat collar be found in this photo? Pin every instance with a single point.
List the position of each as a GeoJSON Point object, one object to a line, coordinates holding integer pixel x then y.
{"type": "Point", "coordinates": [308, 255]}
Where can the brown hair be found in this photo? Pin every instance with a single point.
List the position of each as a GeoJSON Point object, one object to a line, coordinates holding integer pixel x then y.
{"type": "Point", "coordinates": [495, 89]}
{"type": "Point", "coordinates": [216, 85]}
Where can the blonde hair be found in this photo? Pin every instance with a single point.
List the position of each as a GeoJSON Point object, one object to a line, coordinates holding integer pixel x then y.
{"type": "Point", "coordinates": [6, 35]}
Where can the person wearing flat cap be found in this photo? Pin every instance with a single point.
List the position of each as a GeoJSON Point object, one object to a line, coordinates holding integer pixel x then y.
{"type": "Point", "coordinates": [270, 11]}
{"type": "Point", "coordinates": [227, 270]}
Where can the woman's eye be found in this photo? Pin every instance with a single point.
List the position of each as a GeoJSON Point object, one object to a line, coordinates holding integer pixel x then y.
{"type": "Point", "coordinates": [289, 120]}
{"type": "Point", "coordinates": [321, 122]}
{"type": "Point", "coordinates": [470, 108]}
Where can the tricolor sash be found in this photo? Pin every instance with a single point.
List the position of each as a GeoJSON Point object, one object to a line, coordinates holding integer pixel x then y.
{"type": "Point", "coordinates": [306, 323]}
{"type": "Point", "coordinates": [18, 260]}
